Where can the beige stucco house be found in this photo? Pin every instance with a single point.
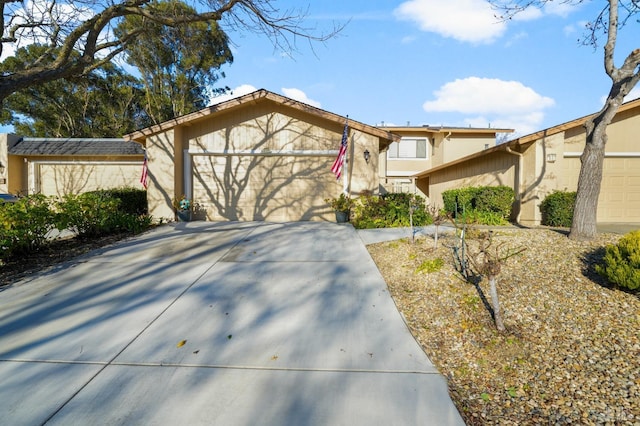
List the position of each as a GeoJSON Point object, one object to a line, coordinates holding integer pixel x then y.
{"type": "Point", "coordinates": [260, 156]}
{"type": "Point", "coordinates": [57, 166]}
{"type": "Point", "coordinates": [548, 160]}
{"type": "Point", "coordinates": [423, 147]}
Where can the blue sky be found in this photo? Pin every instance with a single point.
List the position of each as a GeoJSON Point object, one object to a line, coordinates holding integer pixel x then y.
{"type": "Point", "coordinates": [437, 62]}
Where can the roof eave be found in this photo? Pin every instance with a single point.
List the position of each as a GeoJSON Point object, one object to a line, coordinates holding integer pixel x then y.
{"type": "Point", "coordinates": [141, 135]}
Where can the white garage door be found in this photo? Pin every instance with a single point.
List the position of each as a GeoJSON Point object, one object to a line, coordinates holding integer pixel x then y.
{"type": "Point", "coordinates": [72, 178]}
{"type": "Point", "coordinates": [620, 193]}
{"type": "Point", "coordinates": [274, 188]}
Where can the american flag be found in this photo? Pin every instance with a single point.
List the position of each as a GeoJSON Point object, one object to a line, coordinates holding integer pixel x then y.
{"type": "Point", "coordinates": [144, 179]}
{"type": "Point", "coordinates": [337, 165]}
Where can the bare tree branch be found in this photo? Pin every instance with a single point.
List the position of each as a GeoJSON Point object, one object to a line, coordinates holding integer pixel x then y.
{"type": "Point", "coordinates": [86, 26]}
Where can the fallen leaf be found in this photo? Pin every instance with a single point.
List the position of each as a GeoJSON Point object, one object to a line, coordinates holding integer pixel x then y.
{"type": "Point", "coordinates": [181, 343]}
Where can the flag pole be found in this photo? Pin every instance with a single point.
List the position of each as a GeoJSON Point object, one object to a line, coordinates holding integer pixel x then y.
{"type": "Point", "coordinates": [345, 176]}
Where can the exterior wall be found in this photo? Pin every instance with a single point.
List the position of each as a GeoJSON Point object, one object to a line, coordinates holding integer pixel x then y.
{"type": "Point", "coordinates": [499, 169]}
{"type": "Point", "coordinates": [552, 163]}
{"type": "Point", "coordinates": [461, 145]}
{"type": "Point", "coordinates": [161, 154]}
{"type": "Point", "coordinates": [443, 147]}
{"type": "Point", "coordinates": [539, 176]}
{"type": "Point", "coordinates": [4, 160]}
{"type": "Point", "coordinates": [10, 181]}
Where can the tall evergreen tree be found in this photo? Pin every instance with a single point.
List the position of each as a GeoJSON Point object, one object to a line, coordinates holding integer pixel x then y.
{"type": "Point", "coordinates": [104, 103]}
{"type": "Point", "coordinates": [179, 65]}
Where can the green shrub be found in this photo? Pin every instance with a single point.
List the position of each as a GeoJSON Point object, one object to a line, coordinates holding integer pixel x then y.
{"type": "Point", "coordinates": [495, 199]}
{"type": "Point", "coordinates": [132, 200]}
{"type": "Point", "coordinates": [482, 218]}
{"type": "Point", "coordinates": [459, 201]}
{"type": "Point", "coordinates": [389, 211]}
{"type": "Point", "coordinates": [91, 214]}
{"type": "Point", "coordinates": [622, 262]}
{"type": "Point", "coordinates": [486, 205]}
{"type": "Point", "coordinates": [24, 225]}
{"type": "Point", "coordinates": [557, 208]}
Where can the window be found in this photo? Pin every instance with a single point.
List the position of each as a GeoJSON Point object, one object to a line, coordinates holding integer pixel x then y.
{"type": "Point", "coordinates": [408, 148]}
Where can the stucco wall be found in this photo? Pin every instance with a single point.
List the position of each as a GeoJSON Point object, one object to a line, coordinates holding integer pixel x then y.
{"type": "Point", "coordinates": [161, 155]}
{"type": "Point", "coordinates": [461, 145]}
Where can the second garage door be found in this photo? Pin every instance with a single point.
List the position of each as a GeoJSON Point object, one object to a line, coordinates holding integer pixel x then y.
{"type": "Point", "coordinates": [619, 199]}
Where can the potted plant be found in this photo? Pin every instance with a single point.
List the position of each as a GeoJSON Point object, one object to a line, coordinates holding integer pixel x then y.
{"type": "Point", "coordinates": [342, 207]}
{"type": "Point", "coordinates": [182, 207]}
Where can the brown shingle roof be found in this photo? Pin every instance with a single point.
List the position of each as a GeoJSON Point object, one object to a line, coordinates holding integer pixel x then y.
{"type": "Point", "coordinates": [73, 146]}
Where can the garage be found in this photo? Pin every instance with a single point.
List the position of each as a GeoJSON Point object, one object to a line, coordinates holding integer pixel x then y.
{"type": "Point", "coordinates": [259, 157]}
{"type": "Point", "coordinates": [58, 166]}
{"type": "Point", "coordinates": [619, 199]}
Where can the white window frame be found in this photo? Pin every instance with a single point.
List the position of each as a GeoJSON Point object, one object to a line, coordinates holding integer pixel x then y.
{"type": "Point", "coordinates": [404, 150]}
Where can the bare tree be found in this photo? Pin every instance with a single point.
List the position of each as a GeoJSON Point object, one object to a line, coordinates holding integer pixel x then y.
{"type": "Point", "coordinates": [87, 26]}
{"type": "Point", "coordinates": [614, 15]}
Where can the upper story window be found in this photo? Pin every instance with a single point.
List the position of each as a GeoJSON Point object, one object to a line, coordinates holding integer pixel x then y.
{"type": "Point", "coordinates": [408, 148]}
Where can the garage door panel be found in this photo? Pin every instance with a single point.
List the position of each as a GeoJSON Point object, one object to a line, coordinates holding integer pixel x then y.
{"type": "Point", "coordinates": [274, 188]}
{"type": "Point", "coordinates": [60, 179]}
{"type": "Point", "coordinates": [619, 199]}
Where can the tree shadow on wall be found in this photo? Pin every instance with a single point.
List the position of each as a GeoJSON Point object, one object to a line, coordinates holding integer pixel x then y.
{"type": "Point", "coordinates": [265, 181]}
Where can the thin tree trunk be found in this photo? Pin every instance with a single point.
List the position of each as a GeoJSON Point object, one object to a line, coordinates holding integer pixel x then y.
{"type": "Point", "coordinates": [497, 314]}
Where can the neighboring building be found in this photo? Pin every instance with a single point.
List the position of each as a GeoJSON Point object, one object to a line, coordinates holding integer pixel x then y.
{"type": "Point", "coordinates": [425, 147]}
{"type": "Point", "coordinates": [58, 166]}
{"type": "Point", "coordinates": [538, 164]}
{"type": "Point", "coordinates": [260, 156]}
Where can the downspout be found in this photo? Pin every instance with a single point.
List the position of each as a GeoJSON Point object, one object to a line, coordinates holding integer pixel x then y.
{"type": "Point", "coordinates": [518, 180]}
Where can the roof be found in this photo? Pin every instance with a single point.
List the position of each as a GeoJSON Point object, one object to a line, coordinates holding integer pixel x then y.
{"type": "Point", "coordinates": [527, 140]}
{"type": "Point", "coordinates": [445, 129]}
{"type": "Point", "coordinates": [74, 146]}
{"type": "Point", "coordinates": [252, 98]}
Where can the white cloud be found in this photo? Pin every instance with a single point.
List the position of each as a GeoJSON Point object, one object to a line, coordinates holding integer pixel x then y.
{"type": "Point", "coordinates": [408, 39]}
{"type": "Point", "coordinates": [300, 96]}
{"type": "Point", "coordinates": [464, 20]}
{"type": "Point", "coordinates": [634, 94]}
{"type": "Point", "coordinates": [562, 9]}
{"type": "Point", "coordinates": [508, 104]}
{"type": "Point", "coordinates": [241, 90]}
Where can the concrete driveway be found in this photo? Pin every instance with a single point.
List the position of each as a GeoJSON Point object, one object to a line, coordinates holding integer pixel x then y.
{"type": "Point", "coordinates": [216, 323]}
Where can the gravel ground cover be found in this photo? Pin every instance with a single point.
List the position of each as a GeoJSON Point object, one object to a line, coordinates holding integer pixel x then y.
{"type": "Point", "coordinates": [571, 351]}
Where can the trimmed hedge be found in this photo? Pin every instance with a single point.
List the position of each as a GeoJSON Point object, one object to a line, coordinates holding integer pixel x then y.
{"type": "Point", "coordinates": [622, 262]}
{"type": "Point", "coordinates": [389, 211]}
{"type": "Point", "coordinates": [489, 205]}
{"type": "Point", "coordinates": [557, 208]}
{"type": "Point", "coordinates": [132, 200]}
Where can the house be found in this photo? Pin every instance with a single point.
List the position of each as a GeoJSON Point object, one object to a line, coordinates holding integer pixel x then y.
{"type": "Point", "coordinates": [261, 156]}
{"type": "Point", "coordinates": [57, 166]}
{"type": "Point", "coordinates": [540, 163]}
{"type": "Point", "coordinates": [424, 147]}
